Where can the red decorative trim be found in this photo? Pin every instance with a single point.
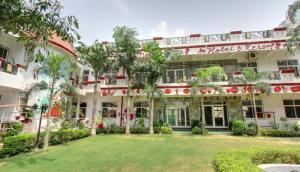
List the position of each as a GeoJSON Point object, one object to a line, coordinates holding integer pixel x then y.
{"type": "Point", "coordinates": [168, 91]}
{"type": "Point", "coordinates": [288, 71]}
{"type": "Point", "coordinates": [195, 35]}
{"type": "Point", "coordinates": [295, 89]}
{"type": "Point", "coordinates": [21, 66]}
{"type": "Point", "coordinates": [186, 91]}
{"type": "Point", "coordinates": [235, 32]}
{"type": "Point", "coordinates": [278, 29]}
{"type": "Point", "coordinates": [230, 44]}
{"type": "Point", "coordinates": [157, 38]}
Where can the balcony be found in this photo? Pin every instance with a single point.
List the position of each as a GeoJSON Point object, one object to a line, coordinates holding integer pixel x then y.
{"type": "Point", "coordinates": [232, 37]}
{"type": "Point", "coordinates": [8, 67]}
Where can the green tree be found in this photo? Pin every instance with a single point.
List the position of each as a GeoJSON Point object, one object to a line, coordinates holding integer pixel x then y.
{"type": "Point", "coordinates": [204, 80]}
{"type": "Point", "coordinates": [154, 69]}
{"type": "Point", "coordinates": [127, 50]}
{"type": "Point", "coordinates": [57, 68]}
{"type": "Point", "coordinates": [253, 81]}
{"type": "Point", "coordinates": [37, 20]}
{"type": "Point", "coordinates": [294, 40]}
{"type": "Point", "coordinates": [97, 57]}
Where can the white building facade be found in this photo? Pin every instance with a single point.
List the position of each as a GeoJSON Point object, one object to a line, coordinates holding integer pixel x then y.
{"type": "Point", "coordinates": [264, 51]}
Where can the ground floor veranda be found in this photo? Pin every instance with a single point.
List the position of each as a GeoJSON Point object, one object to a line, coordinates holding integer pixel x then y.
{"type": "Point", "coordinates": [180, 111]}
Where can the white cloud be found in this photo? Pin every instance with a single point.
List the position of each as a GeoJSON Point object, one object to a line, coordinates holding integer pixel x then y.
{"type": "Point", "coordinates": [162, 30]}
{"type": "Point", "coordinates": [123, 4]}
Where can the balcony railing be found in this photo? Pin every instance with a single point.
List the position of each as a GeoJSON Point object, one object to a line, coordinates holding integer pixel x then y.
{"type": "Point", "coordinates": [8, 67]}
{"type": "Point", "coordinates": [236, 36]}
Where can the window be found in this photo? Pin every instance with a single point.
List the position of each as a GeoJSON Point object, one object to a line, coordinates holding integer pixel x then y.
{"type": "Point", "coordinates": [83, 106]}
{"type": "Point", "coordinates": [86, 75]}
{"type": "Point", "coordinates": [141, 109]}
{"type": "Point", "coordinates": [288, 64]}
{"type": "Point", "coordinates": [267, 34]}
{"type": "Point", "coordinates": [225, 37]}
{"type": "Point", "coordinates": [141, 77]}
{"type": "Point", "coordinates": [249, 109]}
{"type": "Point", "coordinates": [292, 108]}
{"type": "Point", "coordinates": [252, 65]}
{"type": "Point", "coordinates": [175, 76]}
{"type": "Point", "coordinates": [3, 52]}
{"type": "Point", "coordinates": [109, 108]}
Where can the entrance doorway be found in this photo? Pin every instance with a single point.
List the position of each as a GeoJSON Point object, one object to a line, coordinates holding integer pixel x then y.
{"type": "Point", "coordinates": [177, 116]}
{"type": "Point", "coordinates": [215, 115]}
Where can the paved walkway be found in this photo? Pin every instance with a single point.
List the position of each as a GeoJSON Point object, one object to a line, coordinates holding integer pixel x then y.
{"type": "Point", "coordinates": [280, 167]}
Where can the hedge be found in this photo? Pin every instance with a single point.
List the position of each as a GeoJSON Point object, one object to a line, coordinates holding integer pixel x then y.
{"type": "Point", "coordinates": [14, 145]}
{"type": "Point", "coordinates": [278, 133]}
{"type": "Point", "coordinates": [25, 142]}
{"type": "Point", "coordinates": [248, 160]}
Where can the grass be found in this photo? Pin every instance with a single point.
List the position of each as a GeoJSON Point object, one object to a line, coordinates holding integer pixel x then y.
{"type": "Point", "coordinates": [114, 153]}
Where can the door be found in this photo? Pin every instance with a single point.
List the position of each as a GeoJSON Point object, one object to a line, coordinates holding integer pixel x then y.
{"type": "Point", "coordinates": [214, 115]}
{"type": "Point", "coordinates": [171, 116]}
{"type": "Point", "coordinates": [208, 115]}
{"type": "Point", "coordinates": [218, 116]}
{"type": "Point", "coordinates": [177, 116]}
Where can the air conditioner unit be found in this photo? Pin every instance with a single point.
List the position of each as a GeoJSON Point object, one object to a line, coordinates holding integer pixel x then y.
{"type": "Point", "coordinates": [252, 56]}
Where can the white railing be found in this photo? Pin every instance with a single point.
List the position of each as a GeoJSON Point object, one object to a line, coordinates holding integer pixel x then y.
{"type": "Point", "coordinates": [238, 36]}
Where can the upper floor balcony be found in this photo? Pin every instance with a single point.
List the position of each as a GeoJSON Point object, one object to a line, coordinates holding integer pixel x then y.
{"type": "Point", "coordinates": [232, 37]}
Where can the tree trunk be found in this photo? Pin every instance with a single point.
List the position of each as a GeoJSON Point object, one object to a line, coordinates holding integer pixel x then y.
{"type": "Point", "coordinates": [77, 107]}
{"type": "Point", "coordinates": [255, 112]}
{"type": "Point", "coordinates": [47, 130]}
{"type": "Point", "coordinates": [151, 113]}
{"type": "Point", "coordinates": [202, 114]}
{"type": "Point", "coordinates": [128, 107]}
{"type": "Point", "coordinates": [94, 111]}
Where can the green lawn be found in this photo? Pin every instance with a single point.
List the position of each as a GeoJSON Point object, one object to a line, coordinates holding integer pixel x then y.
{"type": "Point", "coordinates": [178, 152]}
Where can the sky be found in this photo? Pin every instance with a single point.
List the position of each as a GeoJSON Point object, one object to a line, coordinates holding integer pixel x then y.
{"type": "Point", "coordinates": [167, 18]}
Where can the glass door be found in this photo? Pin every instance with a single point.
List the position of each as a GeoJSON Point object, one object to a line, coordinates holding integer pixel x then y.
{"type": "Point", "coordinates": [208, 115]}
{"type": "Point", "coordinates": [214, 115]}
{"type": "Point", "coordinates": [218, 116]}
{"type": "Point", "coordinates": [171, 116]}
{"type": "Point", "coordinates": [177, 116]}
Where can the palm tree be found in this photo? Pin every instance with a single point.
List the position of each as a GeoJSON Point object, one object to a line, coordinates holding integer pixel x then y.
{"type": "Point", "coordinates": [57, 68]}
{"type": "Point", "coordinates": [98, 58]}
{"type": "Point", "coordinates": [127, 50]}
{"type": "Point", "coordinates": [203, 80]}
{"type": "Point", "coordinates": [154, 69]}
{"type": "Point", "coordinates": [253, 81]}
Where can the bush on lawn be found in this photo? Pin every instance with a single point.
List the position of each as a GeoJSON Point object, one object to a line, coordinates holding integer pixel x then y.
{"type": "Point", "coordinates": [278, 133]}
{"type": "Point", "coordinates": [14, 145]}
{"type": "Point", "coordinates": [166, 130]}
{"type": "Point", "coordinates": [157, 130]}
{"type": "Point", "coordinates": [239, 127]}
{"type": "Point", "coordinates": [248, 160]}
{"type": "Point", "coordinates": [15, 129]}
{"type": "Point", "coordinates": [252, 129]}
{"type": "Point", "coordinates": [138, 130]}
{"type": "Point", "coordinates": [198, 130]}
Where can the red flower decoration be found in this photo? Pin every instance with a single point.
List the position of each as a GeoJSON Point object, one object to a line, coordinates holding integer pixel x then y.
{"type": "Point", "coordinates": [277, 89]}
{"type": "Point", "coordinates": [186, 91]}
{"type": "Point", "coordinates": [168, 91]}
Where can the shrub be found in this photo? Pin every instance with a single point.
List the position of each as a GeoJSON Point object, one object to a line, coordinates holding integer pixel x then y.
{"type": "Point", "coordinates": [166, 125]}
{"type": "Point", "coordinates": [197, 130]}
{"type": "Point", "coordinates": [195, 123]}
{"type": "Point", "coordinates": [67, 124]}
{"type": "Point", "coordinates": [138, 130]}
{"type": "Point", "coordinates": [166, 130]}
{"type": "Point", "coordinates": [276, 156]}
{"type": "Point", "coordinates": [156, 129]}
{"type": "Point", "coordinates": [295, 128]}
{"type": "Point", "coordinates": [238, 127]}
{"type": "Point", "coordinates": [14, 145]}
{"type": "Point", "coordinates": [248, 160]}
{"type": "Point", "coordinates": [252, 129]}
{"type": "Point", "coordinates": [16, 128]}
{"type": "Point", "coordinates": [156, 124]}
{"type": "Point", "coordinates": [278, 133]}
